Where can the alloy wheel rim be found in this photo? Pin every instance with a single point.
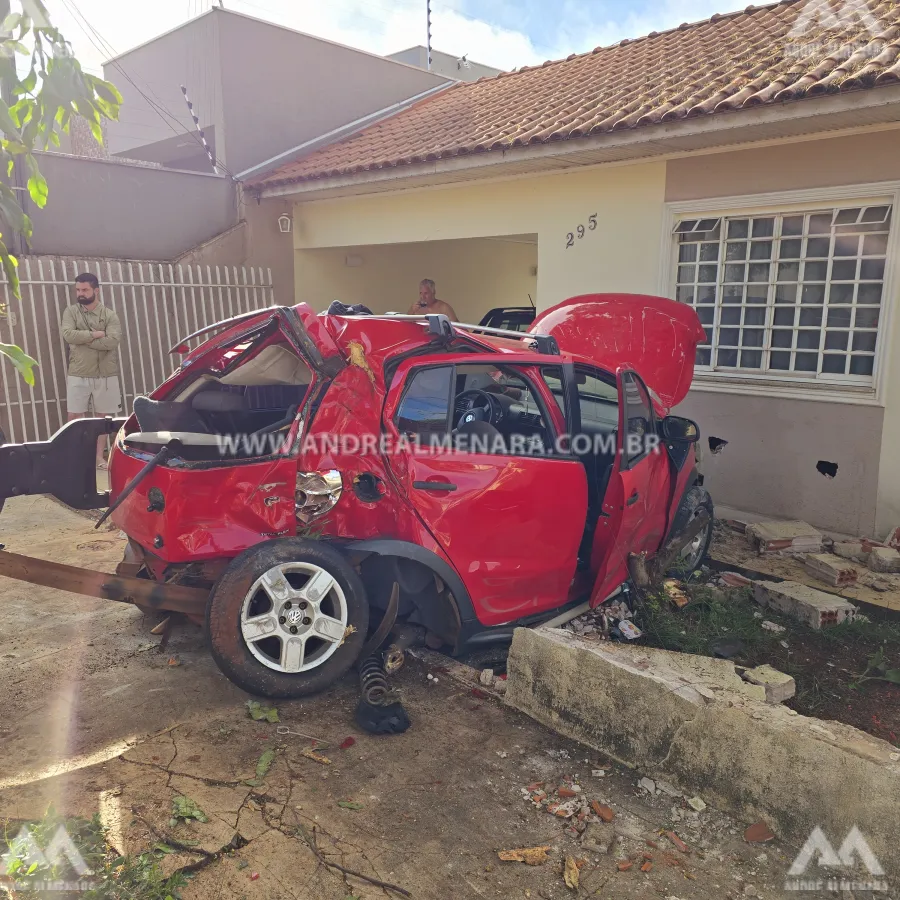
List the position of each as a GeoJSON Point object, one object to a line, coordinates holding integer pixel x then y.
{"type": "Point", "coordinates": [294, 617]}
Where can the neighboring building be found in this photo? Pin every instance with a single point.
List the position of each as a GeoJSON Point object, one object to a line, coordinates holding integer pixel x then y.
{"type": "Point", "coordinates": [459, 68]}
{"type": "Point", "coordinates": [739, 164]}
{"type": "Point", "coordinates": [257, 88]}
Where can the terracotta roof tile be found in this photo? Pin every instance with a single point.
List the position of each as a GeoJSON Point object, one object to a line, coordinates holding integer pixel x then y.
{"type": "Point", "coordinates": [727, 63]}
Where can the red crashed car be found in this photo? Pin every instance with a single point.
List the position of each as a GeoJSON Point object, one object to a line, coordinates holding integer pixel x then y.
{"type": "Point", "coordinates": [318, 472]}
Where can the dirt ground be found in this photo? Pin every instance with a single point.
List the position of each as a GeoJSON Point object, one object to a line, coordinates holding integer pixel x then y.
{"type": "Point", "coordinates": [97, 720]}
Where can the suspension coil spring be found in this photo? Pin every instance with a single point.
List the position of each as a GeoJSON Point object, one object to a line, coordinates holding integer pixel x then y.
{"type": "Point", "coordinates": [373, 681]}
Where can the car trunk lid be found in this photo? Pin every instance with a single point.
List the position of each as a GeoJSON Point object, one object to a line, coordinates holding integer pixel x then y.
{"type": "Point", "coordinates": [655, 336]}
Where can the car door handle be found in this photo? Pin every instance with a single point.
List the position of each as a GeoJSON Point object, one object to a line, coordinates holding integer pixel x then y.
{"type": "Point", "coordinates": [632, 499]}
{"type": "Point", "coordinates": [434, 485]}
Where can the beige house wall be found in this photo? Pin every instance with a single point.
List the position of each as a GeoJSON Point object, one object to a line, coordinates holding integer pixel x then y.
{"type": "Point", "coordinates": [769, 465]}
{"type": "Point", "coordinates": [472, 275]}
{"type": "Point", "coordinates": [621, 253]}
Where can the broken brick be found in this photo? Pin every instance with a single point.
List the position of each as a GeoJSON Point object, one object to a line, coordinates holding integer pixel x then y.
{"type": "Point", "coordinates": [830, 569]}
{"type": "Point", "coordinates": [849, 549]}
{"type": "Point", "coordinates": [536, 785]}
{"type": "Point", "coordinates": [678, 842]}
{"type": "Point", "coordinates": [758, 833]}
{"type": "Point", "coordinates": [893, 539]}
{"type": "Point", "coordinates": [734, 579]}
{"type": "Point", "coordinates": [804, 603]}
{"type": "Point", "coordinates": [769, 537]}
{"type": "Point", "coordinates": [778, 686]}
{"type": "Point", "coordinates": [646, 855]}
{"type": "Point", "coordinates": [624, 865]}
{"type": "Point", "coordinates": [652, 844]}
{"type": "Point", "coordinates": [647, 866]}
{"type": "Point", "coordinates": [602, 812]}
{"type": "Point", "coordinates": [538, 797]}
{"type": "Point", "coordinates": [884, 559]}
{"type": "Point", "coordinates": [567, 793]}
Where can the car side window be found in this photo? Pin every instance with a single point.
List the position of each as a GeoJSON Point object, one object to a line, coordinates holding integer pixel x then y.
{"type": "Point", "coordinates": [598, 400]}
{"type": "Point", "coordinates": [638, 418]}
{"type": "Point", "coordinates": [425, 408]}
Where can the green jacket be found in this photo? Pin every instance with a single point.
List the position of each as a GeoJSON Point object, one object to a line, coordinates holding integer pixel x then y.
{"type": "Point", "coordinates": [90, 358]}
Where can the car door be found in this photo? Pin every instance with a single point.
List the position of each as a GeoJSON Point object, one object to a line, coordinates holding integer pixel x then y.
{"type": "Point", "coordinates": [637, 498]}
{"type": "Point", "coordinates": [509, 519]}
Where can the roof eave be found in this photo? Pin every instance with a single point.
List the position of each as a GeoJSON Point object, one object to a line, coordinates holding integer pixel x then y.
{"type": "Point", "coordinates": [847, 110]}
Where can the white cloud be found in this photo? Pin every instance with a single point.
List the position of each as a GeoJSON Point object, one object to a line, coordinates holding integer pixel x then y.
{"type": "Point", "coordinates": [382, 26]}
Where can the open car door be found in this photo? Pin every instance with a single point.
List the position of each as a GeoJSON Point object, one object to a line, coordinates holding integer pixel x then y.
{"type": "Point", "coordinates": [635, 506]}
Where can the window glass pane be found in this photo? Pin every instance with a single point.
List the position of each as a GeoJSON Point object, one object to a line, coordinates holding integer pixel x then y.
{"type": "Point", "coordinates": [686, 226]}
{"type": "Point", "coordinates": [778, 281]}
{"type": "Point", "coordinates": [844, 269]}
{"type": "Point", "coordinates": [707, 224]}
{"type": "Point", "coordinates": [871, 269]}
{"type": "Point", "coordinates": [687, 252]}
{"type": "Point", "coordinates": [703, 357]}
{"type": "Point", "coordinates": [638, 416]}
{"type": "Point", "coordinates": [792, 225]}
{"type": "Point", "coordinates": [424, 409]}
{"type": "Point", "coordinates": [685, 294]}
{"type": "Point", "coordinates": [709, 252]}
{"type": "Point", "coordinates": [869, 294]}
{"type": "Point", "coordinates": [763, 227]}
{"type": "Point", "coordinates": [836, 340]}
{"type": "Point", "coordinates": [707, 314]}
{"type": "Point", "coordinates": [864, 340]}
{"type": "Point", "coordinates": [846, 216]}
{"type": "Point", "coordinates": [790, 249]}
{"type": "Point", "coordinates": [875, 245]}
{"type": "Point", "coordinates": [781, 337]}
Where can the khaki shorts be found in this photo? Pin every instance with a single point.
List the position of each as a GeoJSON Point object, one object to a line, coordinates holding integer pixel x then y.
{"type": "Point", "coordinates": [104, 392]}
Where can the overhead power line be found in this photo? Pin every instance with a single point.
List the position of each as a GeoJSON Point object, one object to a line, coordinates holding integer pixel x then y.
{"type": "Point", "coordinates": [105, 48]}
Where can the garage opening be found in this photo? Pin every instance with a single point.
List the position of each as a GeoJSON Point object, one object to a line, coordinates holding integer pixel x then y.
{"type": "Point", "coordinates": [474, 275]}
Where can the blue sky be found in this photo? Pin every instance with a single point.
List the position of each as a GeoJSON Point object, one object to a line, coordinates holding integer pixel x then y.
{"type": "Point", "coordinates": [502, 33]}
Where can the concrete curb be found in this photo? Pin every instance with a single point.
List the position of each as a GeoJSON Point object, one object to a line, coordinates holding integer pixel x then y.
{"type": "Point", "coordinates": [693, 720]}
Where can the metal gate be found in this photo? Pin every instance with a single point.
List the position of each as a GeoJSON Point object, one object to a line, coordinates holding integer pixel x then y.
{"type": "Point", "coordinates": [157, 304]}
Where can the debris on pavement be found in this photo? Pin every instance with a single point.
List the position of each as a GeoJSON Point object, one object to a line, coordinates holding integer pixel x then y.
{"type": "Point", "coordinates": [772, 536]}
{"type": "Point", "coordinates": [774, 627]}
{"type": "Point", "coordinates": [570, 873]}
{"type": "Point", "coordinates": [674, 590]}
{"type": "Point", "coordinates": [262, 768]}
{"type": "Point", "coordinates": [648, 784]}
{"type": "Point", "coordinates": [758, 833]}
{"type": "Point", "coordinates": [678, 842]}
{"type": "Point", "coordinates": [347, 743]}
{"type": "Point", "coordinates": [260, 712]}
{"type": "Point", "coordinates": [779, 686]}
{"type": "Point", "coordinates": [604, 813]}
{"type": "Point", "coordinates": [696, 804]}
{"type": "Point", "coordinates": [184, 809]}
{"type": "Point", "coordinates": [309, 753]}
{"type": "Point", "coordinates": [850, 550]}
{"type": "Point", "coordinates": [350, 804]}
{"type": "Point", "coordinates": [284, 729]}
{"type": "Point", "coordinates": [486, 678]}
{"type": "Point", "coordinates": [531, 856]}
{"type": "Point", "coordinates": [734, 579]}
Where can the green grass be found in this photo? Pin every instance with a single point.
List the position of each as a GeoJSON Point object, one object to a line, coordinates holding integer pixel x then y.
{"type": "Point", "coordinates": [113, 877]}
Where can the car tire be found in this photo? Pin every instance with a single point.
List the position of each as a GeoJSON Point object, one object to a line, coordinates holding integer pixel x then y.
{"type": "Point", "coordinates": [696, 551]}
{"type": "Point", "coordinates": [250, 640]}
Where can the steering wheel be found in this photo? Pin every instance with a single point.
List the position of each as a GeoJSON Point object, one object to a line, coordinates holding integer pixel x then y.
{"type": "Point", "coordinates": [478, 406]}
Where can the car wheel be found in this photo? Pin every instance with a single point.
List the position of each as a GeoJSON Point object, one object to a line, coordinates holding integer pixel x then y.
{"type": "Point", "coordinates": [287, 618]}
{"type": "Point", "coordinates": [695, 552]}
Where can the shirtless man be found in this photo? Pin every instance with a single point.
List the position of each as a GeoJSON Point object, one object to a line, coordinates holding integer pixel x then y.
{"type": "Point", "coordinates": [429, 303]}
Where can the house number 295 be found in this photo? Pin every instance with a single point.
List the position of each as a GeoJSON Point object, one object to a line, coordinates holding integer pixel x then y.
{"type": "Point", "coordinates": [580, 231]}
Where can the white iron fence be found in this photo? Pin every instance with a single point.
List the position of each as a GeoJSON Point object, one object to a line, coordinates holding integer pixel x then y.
{"type": "Point", "coordinates": [157, 304]}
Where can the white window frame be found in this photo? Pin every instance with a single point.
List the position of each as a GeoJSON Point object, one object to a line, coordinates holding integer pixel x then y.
{"type": "Point", "coordinates": [784, 203]}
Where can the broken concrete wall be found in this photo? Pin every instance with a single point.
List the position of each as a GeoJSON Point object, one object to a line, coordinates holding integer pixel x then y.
{"type": "Point", "coordinates": [693, 721]}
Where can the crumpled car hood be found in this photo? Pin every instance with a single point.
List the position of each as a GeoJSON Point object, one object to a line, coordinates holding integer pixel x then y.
{"type": "Point", "coordinates": [655, 336]}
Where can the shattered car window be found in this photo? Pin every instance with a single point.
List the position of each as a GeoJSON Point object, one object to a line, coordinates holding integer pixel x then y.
{"type": "Point", "coordinates": [638, 413]}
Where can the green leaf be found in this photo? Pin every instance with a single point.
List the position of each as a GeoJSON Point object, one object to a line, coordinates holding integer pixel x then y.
{"type": "Point", "coordinates": [892, 675]}
{"type": "Point", "coordinates": [349, 804]}
{"type": "Point", "coordinates": [265, 763]}
{"type": "Point", "coordinates": [21, 360]}
{"type": "Point", "coordinates": [185, 808]}
{"type": "Point", "coordinates": [37, 184]}
{"type": "Point", "coordinates": [29, 83]}
{"type": "Point", "coordinates": [258, 712]}
{"type": "Point", "coordinates": [7, 124]}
